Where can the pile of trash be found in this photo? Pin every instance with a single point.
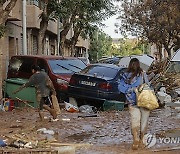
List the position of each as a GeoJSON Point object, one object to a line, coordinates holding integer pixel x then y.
{"type": "Point", "coordinates": [39, 138]}
{"type": "Point", "coordinates": [160, 76]}
{"type": "Point", "coordinates": [166, 84]}
{"type": "Point", "coordinates": [42, 140]}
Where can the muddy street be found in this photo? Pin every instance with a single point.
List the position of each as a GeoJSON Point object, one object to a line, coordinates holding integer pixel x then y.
{"type": "Point", "coordinates": [108, 133]}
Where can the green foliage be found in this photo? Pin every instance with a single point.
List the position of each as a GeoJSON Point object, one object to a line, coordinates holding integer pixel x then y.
{"type": "Point", "coordinates": [100, 45]}
{"type": "Point", "coordinates": [156, 21]}
{"type": "Point", "coordinates": [126, 47]}
{"type": "Point", "coordinates": [84, 15]}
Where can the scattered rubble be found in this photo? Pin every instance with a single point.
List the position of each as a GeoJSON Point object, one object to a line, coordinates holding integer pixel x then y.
{"type": "Point", "coordinates": [165, 83]}
{"type": "Point", "coordinates": [24, 132]}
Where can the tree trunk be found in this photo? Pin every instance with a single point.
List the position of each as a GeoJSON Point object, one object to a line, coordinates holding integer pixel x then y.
{"type": "Point", "coordinates": [159, 48]}
{"type": "Point", "coordinates": [74, 40]}
{"type": "Point", "coordinates": [63, 34]}
{"type": "Point", "coordinates": [67, 24]}
{"type": "Point", "coordinates": [169, 52]}
{"type": "Point", "coordinates": [62, 45]}
{"type": "Point", "coordinates": [41, 37]}
{"type": "Point", "coordinates": [4, 12]}
{"type": "Point", "coordinates": [1, 70]}
{"type": "Point", "coordinates": [168, 49]}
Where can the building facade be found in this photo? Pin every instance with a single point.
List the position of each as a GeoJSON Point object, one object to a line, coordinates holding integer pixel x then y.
{"type": "Point", "coordinates": [12, 41]}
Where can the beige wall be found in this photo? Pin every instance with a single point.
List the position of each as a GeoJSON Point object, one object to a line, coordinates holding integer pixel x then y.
{"type": "Point", "coordinates": [16, 13]}
{"type": "Point", "coordinates": [52, 27]}
{"type": "Point", "coordinates": [83, 43]}
{"type": "Point", "coordinates": [11, 44]}
{"type": "Point", "coordinates": [33, 13]}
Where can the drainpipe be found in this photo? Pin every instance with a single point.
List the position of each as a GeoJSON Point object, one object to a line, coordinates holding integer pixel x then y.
{"type": "Point", "coordinates": [58, 36]}
{"type": "Point", "coordinates": [24, 49]}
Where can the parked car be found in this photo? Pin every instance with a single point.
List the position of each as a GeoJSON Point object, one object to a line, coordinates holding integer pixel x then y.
{"type": "Point", "coordinates": [174, 65]}
{"type": "Point", "coordinates": [58, 68]}
{"type": "Point", "coordinates": [145, 61]}
{"type": "Point", "coordinates": [98, 82]}
{"type": "Point", "coordinates": [85, 60]}
{"type": "Point", "coordinates": [110, 60]}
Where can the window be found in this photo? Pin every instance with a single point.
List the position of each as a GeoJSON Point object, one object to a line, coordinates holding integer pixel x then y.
{"type": "Point", "coordinates": [21, 64]}
{"type": "Point", "coordinates": [35, 45]}
{"type": "Point", "coordinates": [66, 66]}
{"type": "Point", "coordinates": [100, 71]}
{"type": "Point", "coordinates": [42, 64]}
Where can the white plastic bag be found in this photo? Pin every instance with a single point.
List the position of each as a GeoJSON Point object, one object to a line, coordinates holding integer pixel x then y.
{"type": "Point", "coordinates": [71, 108]}
{"type": "Point", "coordinates": [86, 109]}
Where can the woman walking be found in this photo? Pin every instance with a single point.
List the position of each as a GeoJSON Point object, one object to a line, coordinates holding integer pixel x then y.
{"type": "Point", "coordinates": [139, 116]}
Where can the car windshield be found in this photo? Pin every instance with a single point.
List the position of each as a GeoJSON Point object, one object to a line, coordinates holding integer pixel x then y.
{"type": "Point", "coordinates": [66, 66]}
{"type": "Point", "coordinates": [84, 59]}
{"type": "Point", "coordinates": [100, 71]}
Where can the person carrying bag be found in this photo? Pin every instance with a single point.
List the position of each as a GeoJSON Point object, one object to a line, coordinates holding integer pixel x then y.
{"type": "Point", "coordinates": [146, 97]}
{"type": "Point", "coordinates": [128, 84]}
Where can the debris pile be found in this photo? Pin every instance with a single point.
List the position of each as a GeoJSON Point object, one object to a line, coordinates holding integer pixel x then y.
{"type": "Point", "coordinates": [158, 67]}
{"type": "Point", "coordinates": [41, 140]}
{"type": "Point", "coordinates": [162, 78]}
{"type": "Point", "coordinates": [165, 83]}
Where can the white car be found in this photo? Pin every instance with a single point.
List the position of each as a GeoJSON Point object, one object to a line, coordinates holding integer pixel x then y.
{"type": "Point", "coordinates": [85, 60]}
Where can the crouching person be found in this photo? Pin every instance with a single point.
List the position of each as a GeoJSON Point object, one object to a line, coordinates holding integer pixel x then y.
{"type": "Point", "coordinates": [40, 81]}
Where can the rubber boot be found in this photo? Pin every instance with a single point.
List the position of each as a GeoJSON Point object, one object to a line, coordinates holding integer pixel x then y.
{"type": "Point", "coordinates": [52, 111]}
{"type": "Point", "coordinates": [135, 133]}
{"type": "Point", "coordinates": [141, 143]}
{"type": "Point", "coordinates": [144, 123]}
{"type": "Point", "coordinates": [41, 115]}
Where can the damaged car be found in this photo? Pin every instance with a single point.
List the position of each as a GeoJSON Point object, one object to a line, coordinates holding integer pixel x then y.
{"type": "Point", "coordinates": [97, 82]}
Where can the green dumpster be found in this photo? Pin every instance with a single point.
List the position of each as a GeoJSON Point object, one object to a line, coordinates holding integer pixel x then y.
{"type": "Point", "coordinates": [27, 94]}
{"type": "Point", "coordinates": [113, 105]}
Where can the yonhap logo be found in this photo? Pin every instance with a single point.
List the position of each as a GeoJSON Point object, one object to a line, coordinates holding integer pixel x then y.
{"type": "Point", "coordinates": [149, 140]}
{"type": "Point", "coordinates": [168, 140]}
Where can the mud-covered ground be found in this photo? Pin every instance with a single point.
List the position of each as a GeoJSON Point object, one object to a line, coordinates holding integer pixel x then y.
{"type": "Point", "coordinates": [108, 133]}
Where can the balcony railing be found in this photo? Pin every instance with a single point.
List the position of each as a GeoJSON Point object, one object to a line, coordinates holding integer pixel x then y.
{"type": "Point", "coordinates": [33, 2]}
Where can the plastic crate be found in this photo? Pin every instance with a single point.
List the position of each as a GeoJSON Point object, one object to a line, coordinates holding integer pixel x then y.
{"type": "Point", "coordinates": [113, 105]}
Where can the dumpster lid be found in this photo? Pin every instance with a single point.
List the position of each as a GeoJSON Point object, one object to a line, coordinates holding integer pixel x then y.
{"type": "Point", "coordinates": [17, 80]}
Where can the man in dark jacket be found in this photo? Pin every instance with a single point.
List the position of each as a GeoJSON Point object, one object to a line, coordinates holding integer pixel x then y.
{"type": "Point", "coordinates": [42, 83]}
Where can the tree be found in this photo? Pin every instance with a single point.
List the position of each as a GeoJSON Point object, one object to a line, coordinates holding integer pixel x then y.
{"type": "Point", "coordinates": [82, 16]}
{"type": "Point", "coordinates": [127, 47]}
{"type": "Point", "coordinates": [157, 21]}
{"type": "Point", "coordinates": [48, 8]}
{"type": "Point", "coordinates": [100, 45]}
{"type": "Point", "coordinates": [5, 9]}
